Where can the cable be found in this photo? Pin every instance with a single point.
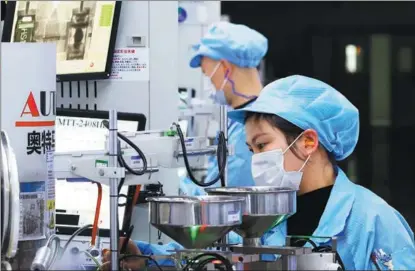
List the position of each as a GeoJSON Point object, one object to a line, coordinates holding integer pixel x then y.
{"type": "Point", "coordinates": [321, 249]}
{"type": "Point", "coordinates": [75, 234]}
{"type": "Point", "coordinates": [325, 249]}
{"type": "Point", "coordinates": [200, 265]}
{"type": "Point", "coordinates": [214, 256]}
{"type": "Point", "coordinates": [124, 246]}
{"type": "Point", "coordinates": [97, 212]}
{"type": "Point", "coordinates": [221, 157]}
{"type": "Point", "coordinates": [92, 258]}
{"type": "Point", "coordinates": [311, 242]}
{"type": "Point", "coordinates": [121, 159]}
{"type": "Point", "coordinates": [124, 257]}
{"type": "Point", "coordinates": [136, 195]}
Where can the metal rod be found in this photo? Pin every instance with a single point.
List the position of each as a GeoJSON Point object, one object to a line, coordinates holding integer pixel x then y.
{"type": "Point", "coordinates": [223, 124]}
{"type": "Point", "coordinates": [112, 162]}
{"type": "Point", "coordinates": [224, 129]}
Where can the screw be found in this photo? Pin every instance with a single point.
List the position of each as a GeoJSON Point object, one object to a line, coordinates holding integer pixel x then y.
{"type": "Point", "coordinates": [101, 172]}
{"type": "Point", "coordinates": [73, 168]}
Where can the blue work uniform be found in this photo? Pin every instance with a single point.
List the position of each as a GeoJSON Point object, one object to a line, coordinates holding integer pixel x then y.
{"type": "Point", "coordinates": [364, 225]}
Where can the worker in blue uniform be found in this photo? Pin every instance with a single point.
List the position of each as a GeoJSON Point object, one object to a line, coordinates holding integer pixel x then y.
{"type": "Point", "coordinates": [228, 55]}
{"type": "Point", "coordinates": [297, 129]}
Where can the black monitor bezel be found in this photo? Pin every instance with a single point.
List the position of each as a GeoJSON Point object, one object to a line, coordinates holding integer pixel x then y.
{"type": "Point", "coordinates": [7, 32]}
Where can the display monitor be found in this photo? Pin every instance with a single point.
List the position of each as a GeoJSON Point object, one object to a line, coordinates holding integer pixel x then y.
{"type": "Point", "coordinates": [84, 33]}
{"type": "Point", "coordinates": [82, 130]}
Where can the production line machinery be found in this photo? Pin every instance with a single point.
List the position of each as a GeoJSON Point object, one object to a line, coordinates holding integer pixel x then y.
{"type": "Point", "coordinates": [199, 224]}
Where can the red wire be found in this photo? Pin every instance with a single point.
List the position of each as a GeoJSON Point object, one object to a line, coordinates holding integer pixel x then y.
{"type": "Point", "coordinates": [96, 218]}
{"type": "Point", "coordinates": [136, 194]}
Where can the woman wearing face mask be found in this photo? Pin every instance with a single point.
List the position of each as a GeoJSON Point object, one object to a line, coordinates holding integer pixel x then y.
{"type": "Point", "coordinates": [228, 55]}
{"type": "Point", "coordinates": [297, 129]}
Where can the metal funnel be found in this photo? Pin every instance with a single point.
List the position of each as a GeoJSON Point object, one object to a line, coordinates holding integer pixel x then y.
{"type": "Point", "coordinates": [264, 207]}
{"type": "Point", "coordinates": [195, 222]}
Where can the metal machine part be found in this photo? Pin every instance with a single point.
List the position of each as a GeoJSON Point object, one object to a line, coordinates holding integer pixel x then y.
{"type": "Point", "coordinates": [160, 151]}
{"type": "Point", "coordinates": [113, 154]}
{"type": "Point", "coordinates": [195, 222]}
{"type": "Point", "coordinates": [10, 205]}
{"type": "Point", "coordinates": [46, 255]}
{"type": "Point", "coordinates": [264, 208]}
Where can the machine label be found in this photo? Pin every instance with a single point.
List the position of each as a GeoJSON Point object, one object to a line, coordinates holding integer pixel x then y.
{"type": "Point", "coordinates": [130, 64]}
{"type": "Point", "coordinates": [51, 217]}
{"type": "Point", "coordinates": [101, 163]}
{"type": "Point", "coordinates": [33, 215]}
{"type": "Point", "coordinates": [136, 160]}
{"type": "Point", "coordinates": [32, 114]}
{"type": "Point", "coordinates": [234, 216]}
{"type": "Point", "coordinates": [39, 142]}
{"type": "Point", "coordinates": [189, 142]}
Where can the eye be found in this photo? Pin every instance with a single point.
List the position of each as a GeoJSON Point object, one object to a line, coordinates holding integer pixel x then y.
{"type": "Point", "coordinates": [250, 149]}
{"type": "Point", "coordinates": [261, 146]}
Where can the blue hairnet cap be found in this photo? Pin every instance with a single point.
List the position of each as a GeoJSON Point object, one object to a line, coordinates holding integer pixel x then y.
{"type": "Point", "coordinates": [310, 104]}
{"type": "Point", "coordinates": [236, 43]}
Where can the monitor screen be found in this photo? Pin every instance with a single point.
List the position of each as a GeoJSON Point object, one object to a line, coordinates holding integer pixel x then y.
{"type": "Point", "coordinates": [79, 198]}
{"type": "Point", "coordinates": [84, 33]}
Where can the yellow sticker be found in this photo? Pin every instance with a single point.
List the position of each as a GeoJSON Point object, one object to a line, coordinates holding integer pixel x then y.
{"type": "Point", "coordinates": [51, 204]}
{"type": "Point", "coordinates": [51, 211]}
{"type": "Point", "coordinates": [105, 20]}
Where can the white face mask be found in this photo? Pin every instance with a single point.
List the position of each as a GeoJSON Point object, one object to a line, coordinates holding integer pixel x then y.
{"type": "Point", "coordinates": [268, 169]}
{"type": "Point", "coordinates": [217, 96]}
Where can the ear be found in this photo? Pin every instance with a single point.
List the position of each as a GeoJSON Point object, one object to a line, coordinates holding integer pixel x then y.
{"type": "Point", "coordinates": [227, 68]}
{"type": "Point", "coordinates": [310, 141]}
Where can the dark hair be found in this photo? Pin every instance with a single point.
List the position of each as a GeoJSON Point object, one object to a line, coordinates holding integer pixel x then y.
{"type": "Point", "coordinates": [290, 131]}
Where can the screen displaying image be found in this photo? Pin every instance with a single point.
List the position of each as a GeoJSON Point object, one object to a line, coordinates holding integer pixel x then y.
{"type": "Point", "coordinates": [85, 134]}
{"type": "Point", "coordinates": [81, 30]}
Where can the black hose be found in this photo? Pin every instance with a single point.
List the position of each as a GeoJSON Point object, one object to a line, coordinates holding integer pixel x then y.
{"type": "Point", "coordinates": [221, 154]}
{"type": "Point", "coordinates": [75, 234]}
{"type": "Point", "coordinates": [213, 256]}
{"type": "Point", "coordinates": [121, 160]}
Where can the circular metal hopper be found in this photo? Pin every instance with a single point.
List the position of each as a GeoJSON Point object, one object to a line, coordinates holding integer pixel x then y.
{"type": "Point", "coordinates": [195, 222]}
{"type": "Point", "coordinates": [264, 207]}
{"type": "Point", "coordinates": [10, 190]}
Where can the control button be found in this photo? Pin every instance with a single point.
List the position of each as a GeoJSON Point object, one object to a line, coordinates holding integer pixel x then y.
{"type": "Point", "coordinates": [94, 253]}
{"type": "Point", "coordinates": [75, 250]}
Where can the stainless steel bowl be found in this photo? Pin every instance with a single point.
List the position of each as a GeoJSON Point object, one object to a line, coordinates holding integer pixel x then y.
{"type": "Point", "coordinates": [264, 207]}
{"type": "Point", "coordinates": [195, 222]}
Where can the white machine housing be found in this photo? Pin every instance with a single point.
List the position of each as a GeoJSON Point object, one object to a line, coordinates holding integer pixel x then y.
{"type": "Point", "coordinates": [155, 23]}
{"type": "Point", "coordinates": [160, 152]}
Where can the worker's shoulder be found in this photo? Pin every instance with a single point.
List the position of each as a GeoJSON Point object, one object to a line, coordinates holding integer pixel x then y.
{"type": "Point", "coordinates": [374, 213]}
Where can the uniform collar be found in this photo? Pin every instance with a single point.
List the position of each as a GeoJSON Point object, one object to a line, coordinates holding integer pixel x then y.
{"type": "Point", "coordinates": [338, 208]}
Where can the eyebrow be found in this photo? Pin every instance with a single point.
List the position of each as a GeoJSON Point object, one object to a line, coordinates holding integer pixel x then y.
{"type": "Point", "coordinates": [255, 137]}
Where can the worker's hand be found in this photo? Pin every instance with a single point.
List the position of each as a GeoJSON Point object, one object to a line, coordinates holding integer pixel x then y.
{"type": "Point", "coordinates": [132, 263]}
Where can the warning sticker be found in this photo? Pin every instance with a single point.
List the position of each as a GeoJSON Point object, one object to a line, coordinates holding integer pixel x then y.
{"type": "Point", "coordinates": [32, 215]}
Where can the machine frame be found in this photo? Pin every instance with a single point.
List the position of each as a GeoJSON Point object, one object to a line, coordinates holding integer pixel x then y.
{"type": "Point", "coordinates": [102, 114]}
